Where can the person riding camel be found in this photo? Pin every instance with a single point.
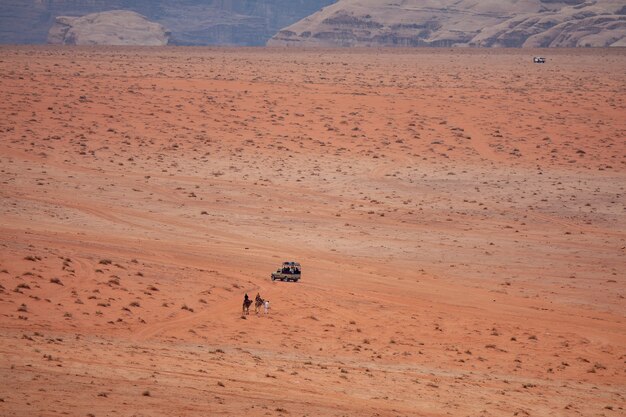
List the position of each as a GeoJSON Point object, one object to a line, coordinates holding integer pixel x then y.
{"type": "Point", "coordinates": [245, 307]}
{"type": "Point", "coordinates": [258, 303]}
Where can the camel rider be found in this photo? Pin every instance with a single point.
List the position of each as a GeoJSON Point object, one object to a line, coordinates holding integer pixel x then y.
{"type": "Point", "coordinates": [245, 298]}
{"type": "Point", "coordinates": [258, 297]}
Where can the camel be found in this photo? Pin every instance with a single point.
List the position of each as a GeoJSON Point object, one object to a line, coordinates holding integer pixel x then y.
{"type": "Point", "coordinates": [258, 303]}
{"type": "Point", "coordinates": [246, 307]}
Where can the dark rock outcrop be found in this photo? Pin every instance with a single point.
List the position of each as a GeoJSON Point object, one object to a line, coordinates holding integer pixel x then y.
{"type": "Point", "coordinates": [444, 23]}
{"type": "Point", "coordinates": [116, 27]}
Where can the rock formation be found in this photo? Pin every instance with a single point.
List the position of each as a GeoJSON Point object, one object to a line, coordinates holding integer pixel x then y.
{"type": "Point", "coordinates": [29, 21]}
{"type": "Point", "coordinates": [443, 23]}
{"type": "Point", "coordinates": [191, 22]}
{"type": "Point", "coordinates": [232, 22]}
{"type": "Point", "coordinates": [116, 27]}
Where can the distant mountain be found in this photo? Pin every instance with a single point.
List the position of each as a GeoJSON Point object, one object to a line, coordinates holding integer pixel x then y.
{"type": "Point", "coordinates": [191, 22]}
{"type": "Point", "coordinates": [443, 23]}
{"type": "Point", "coordinates": [116, 27]}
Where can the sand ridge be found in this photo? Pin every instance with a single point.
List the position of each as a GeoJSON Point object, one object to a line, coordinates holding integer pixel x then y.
{"type": "Point", "coordinates": [459, 216]}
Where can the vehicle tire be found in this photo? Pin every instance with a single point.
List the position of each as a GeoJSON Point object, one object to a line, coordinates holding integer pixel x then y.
{"type": "Point", "coordinates": [273, 278]}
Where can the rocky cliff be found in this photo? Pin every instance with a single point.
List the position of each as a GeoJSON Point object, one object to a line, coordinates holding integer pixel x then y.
{"type": "Point", "coordinates": [232, 22]}
{"type": "Point", "coordinates": [191, 22]}
{"type": "Point", "coordinates": [117, 27]}
{"type": "Point", "coordinates": [443, 23]}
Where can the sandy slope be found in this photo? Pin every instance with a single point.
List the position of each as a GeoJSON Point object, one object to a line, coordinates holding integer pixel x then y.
{"type": "Point", "coordinates": [459, 216]}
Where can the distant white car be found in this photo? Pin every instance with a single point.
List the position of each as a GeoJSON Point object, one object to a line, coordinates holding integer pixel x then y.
{"type": "Point", "coordinates": [539, 60]}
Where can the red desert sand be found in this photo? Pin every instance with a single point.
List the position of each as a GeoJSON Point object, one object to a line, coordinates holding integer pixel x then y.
{"type": "Point", "coordinates": [459, 216]}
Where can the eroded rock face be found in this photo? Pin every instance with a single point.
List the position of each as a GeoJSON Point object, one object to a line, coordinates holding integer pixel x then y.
{"type": "Point", "coordinates": [232, 22]}
{"type": "Point", "coordinates": [444, 23]}
{"type": "Point", "coordinates": [116, 27]}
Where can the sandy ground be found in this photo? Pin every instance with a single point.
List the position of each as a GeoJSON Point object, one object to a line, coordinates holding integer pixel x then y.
{"type": "Point", "coordinates": [459, 215]}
